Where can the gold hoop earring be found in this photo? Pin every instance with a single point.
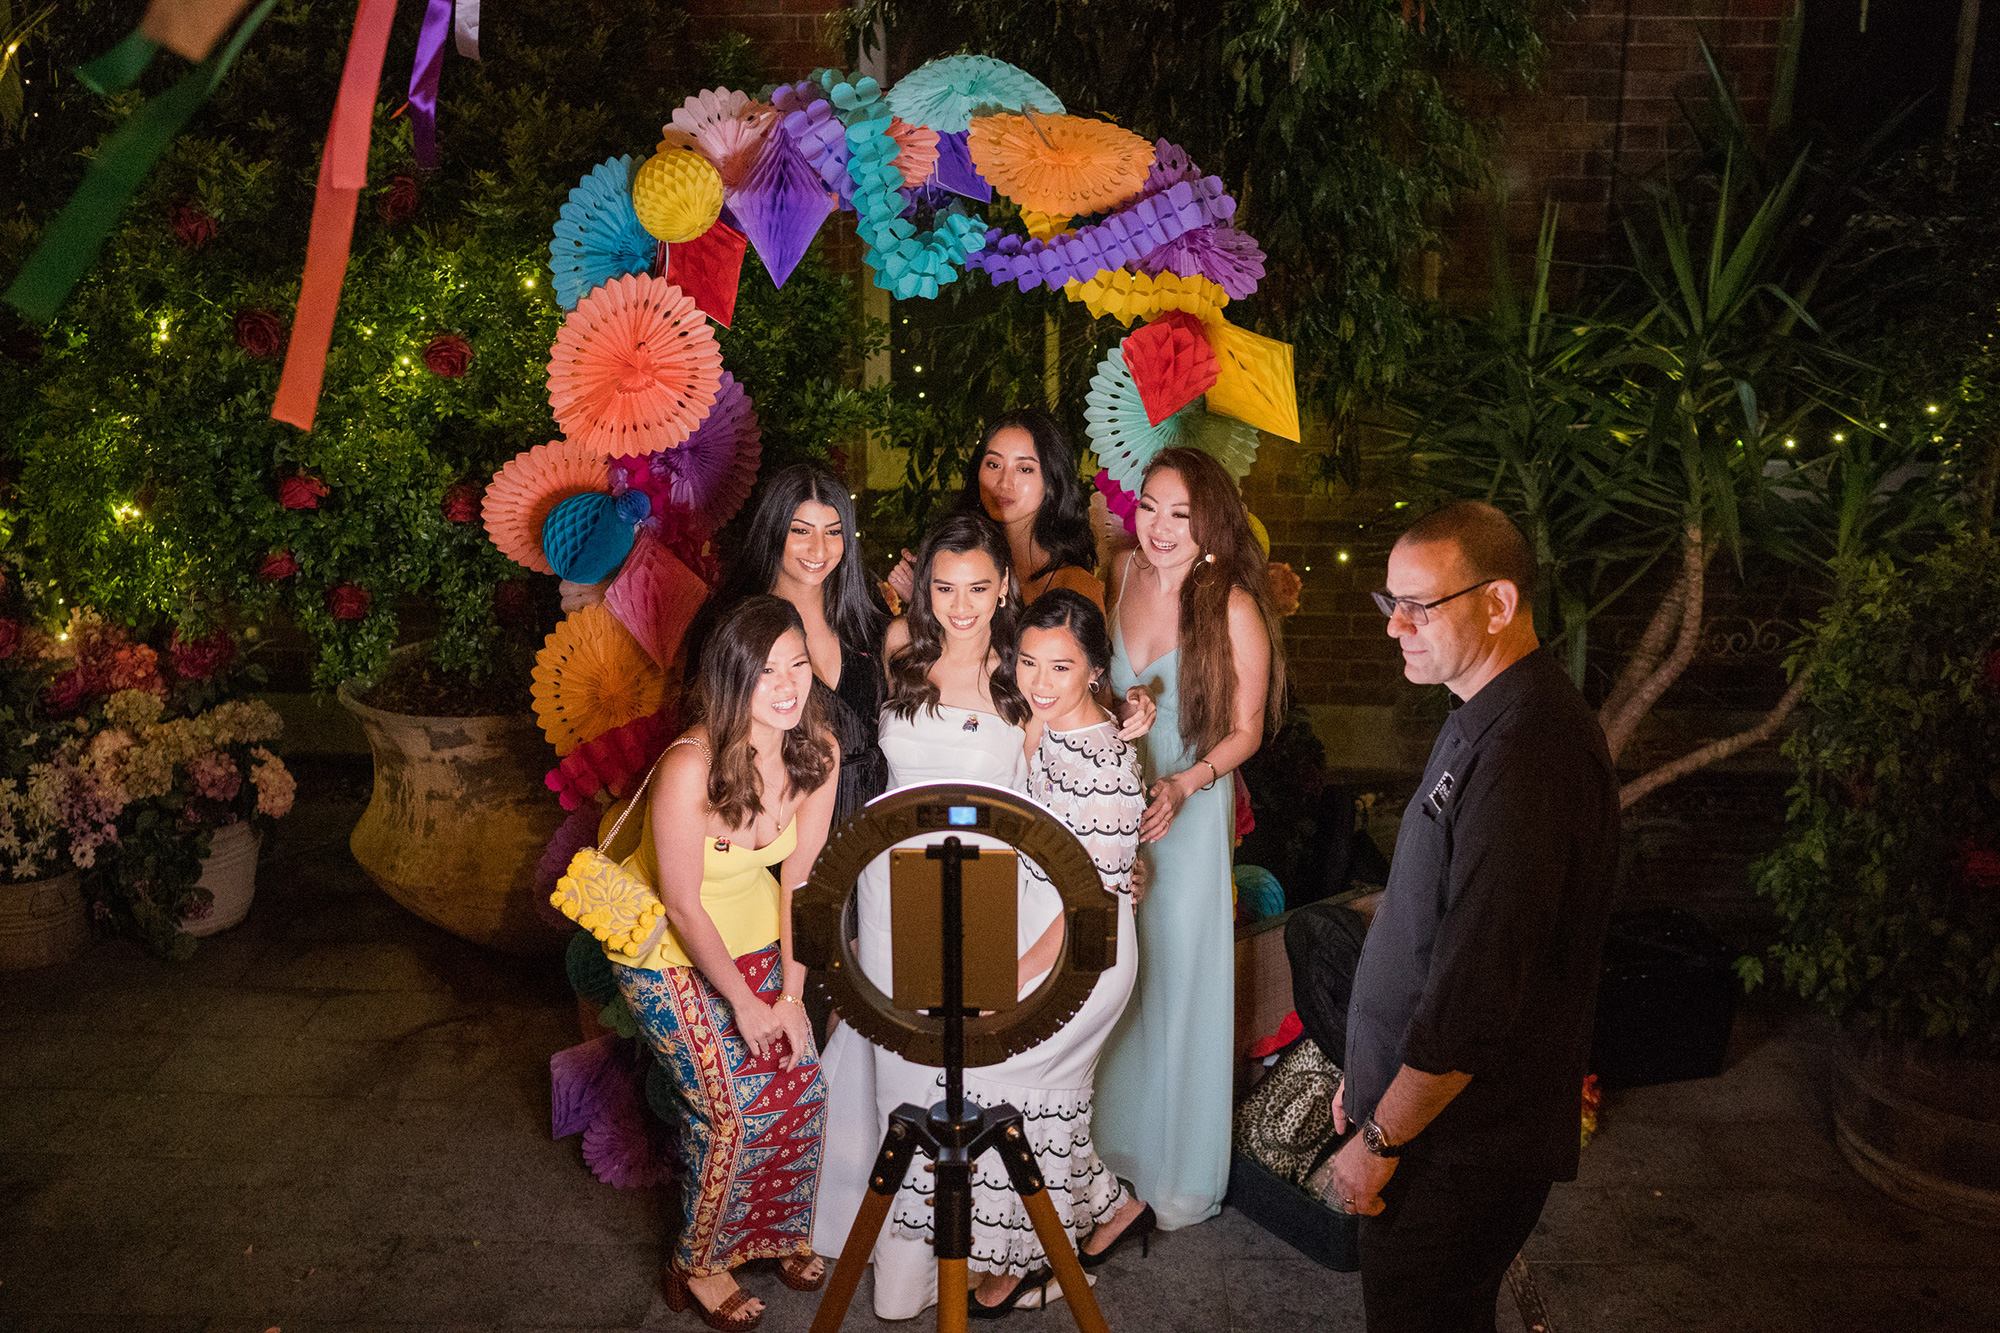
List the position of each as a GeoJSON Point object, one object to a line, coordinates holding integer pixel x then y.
{"type": "Point", "coordinates": [1003, 599]}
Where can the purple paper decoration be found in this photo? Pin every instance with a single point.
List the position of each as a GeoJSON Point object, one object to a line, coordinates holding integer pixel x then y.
{"type": "Point", "coordinates": [1122, 240]}
{"type": "Point", "coordinates": [572, 836]}
{"type": "Point", "coordinates": [691, 486]}
{"type": "Point", "coordinates": [597, 1089]}
{"type": "Point", "coordinates": [780, 205]}
{"type": "Point", "coordinates": [1229, 258]}
{"type": "Point", "coordinates": [618, 1147]}
{"type": "Point", "coordinates": [581, 1080]}
{"type": "Point", "coordinates": [954, 169]}
{"type": "Point", "coordinates": [812, 124]}
{"type": "Point", "coordinates": [1171, 166]}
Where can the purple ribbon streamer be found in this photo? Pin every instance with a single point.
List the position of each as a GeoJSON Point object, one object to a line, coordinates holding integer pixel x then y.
{"type": "Point", "coordinates": [424, 77]}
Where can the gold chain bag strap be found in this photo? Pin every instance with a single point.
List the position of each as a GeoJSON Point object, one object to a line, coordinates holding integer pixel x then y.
{"type": "Point", "coordinates": [1286, 1123]}
{"type": "Point", "coordinates": [606, 899]}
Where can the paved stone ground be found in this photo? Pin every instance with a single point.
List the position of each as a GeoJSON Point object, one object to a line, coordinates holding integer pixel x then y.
{"type": "Point", "coordinates": [336, 1117]}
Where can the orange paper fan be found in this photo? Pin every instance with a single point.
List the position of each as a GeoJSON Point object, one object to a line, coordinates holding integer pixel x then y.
{"type": "Point", "coordinates": [1127, 296]}
{"type": "Point", "coordinates": [591, 676]}
{"type": "Point", "coordinates": [655, 597]}
{"type": "Point", "coordinates": [634, 369]}
{"type": "Point", "coordinates": [1063, 165]}
{"type": "Point", "coordinates": [1254, 380]}
{"type": "Point", "coordinates": [916, 151]}
{"type": "Point", "coordinates": [523, 492]}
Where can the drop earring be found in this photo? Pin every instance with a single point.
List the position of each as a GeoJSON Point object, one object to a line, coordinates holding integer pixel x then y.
{"type": "Point", "coordinates": [1208, 559]}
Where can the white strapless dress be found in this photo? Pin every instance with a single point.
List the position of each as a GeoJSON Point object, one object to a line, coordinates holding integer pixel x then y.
{"type": "Point", "coordinates": [1089, 779]}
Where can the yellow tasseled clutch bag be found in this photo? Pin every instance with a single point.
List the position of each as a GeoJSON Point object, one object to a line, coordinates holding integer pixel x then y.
{"type": "Point", "coordinates": [605, 898]}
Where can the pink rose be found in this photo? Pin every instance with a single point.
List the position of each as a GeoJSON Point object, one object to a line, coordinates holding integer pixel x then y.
{"type": "Point", "coordinates": [278, 565]}
{"type": "Point", "coordinates": [201, 658]}
{"type": "Point", "coordinates": [399, 202]}
{"type": "Point", "coordinates": [10, 638]}
{"type": "Point", "coordinates": [66, 691]}
{"type": "Point", "coordinates": [461, 502]}
{"type": "Point", "coordinates": [193, 226]}
{"type": "Point", "coordinates": [259, 332]}
{"type": "Point", "coordinates": [447, 355]}
{"type": "Point", "coordinates": [301, 492]}
{"type": "Point", "coordinates": [347, 601]}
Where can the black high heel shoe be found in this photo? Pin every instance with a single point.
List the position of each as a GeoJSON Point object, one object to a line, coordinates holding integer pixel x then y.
{"type": "Point", "coordinates": [1143, 1226]}
{"type": "Point", "coordinates": [1038, 1280]}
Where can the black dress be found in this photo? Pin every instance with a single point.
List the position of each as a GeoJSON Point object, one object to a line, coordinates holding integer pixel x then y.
{"type": "Point", "coordinates": [855, 710]}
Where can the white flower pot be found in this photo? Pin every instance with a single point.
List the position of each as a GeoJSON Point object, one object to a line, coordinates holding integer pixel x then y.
{"type": "Point", "coordinates": [229, 871]}
{"type": "Point", "coordinates": [42, 922]}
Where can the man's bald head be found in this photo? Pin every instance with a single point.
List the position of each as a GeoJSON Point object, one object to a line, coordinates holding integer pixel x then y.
{"type": "Point", "coordinates": [1487, 540]}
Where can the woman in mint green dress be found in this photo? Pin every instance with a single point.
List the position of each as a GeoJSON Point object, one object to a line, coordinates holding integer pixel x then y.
{"type": "Point", "coordinates": [1195, 627]}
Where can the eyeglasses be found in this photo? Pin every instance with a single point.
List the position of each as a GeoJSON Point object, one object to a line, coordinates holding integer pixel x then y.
{"type": "Point", "coordinates": [1414, 611]}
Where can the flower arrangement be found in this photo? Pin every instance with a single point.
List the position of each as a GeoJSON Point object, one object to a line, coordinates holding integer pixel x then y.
{"type": "Point", "coordinates": [137, 758]}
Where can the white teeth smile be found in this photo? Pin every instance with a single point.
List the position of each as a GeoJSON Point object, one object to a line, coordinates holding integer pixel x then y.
{"type": "Point", "coordinates": [812, 566]}
{"type": "Point", "coordinates": [1043, 701]}
{"type": "Point", "coordinates": [785, 707]}
{"type": "Point", "coordinates": [958, 624]}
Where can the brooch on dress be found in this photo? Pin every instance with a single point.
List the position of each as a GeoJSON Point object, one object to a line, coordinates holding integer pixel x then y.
{"type": "Point", "coordinates": [971, 722]}
{"type": "Point", "coordinates": [722, 844]}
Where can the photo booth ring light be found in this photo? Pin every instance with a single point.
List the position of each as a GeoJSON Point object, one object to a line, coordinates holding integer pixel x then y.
{"type": "Point", "coordinates": [934, 812]}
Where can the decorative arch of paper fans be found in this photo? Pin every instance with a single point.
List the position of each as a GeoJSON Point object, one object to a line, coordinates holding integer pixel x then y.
{"type": "Point", "coordinates": [661, 444]}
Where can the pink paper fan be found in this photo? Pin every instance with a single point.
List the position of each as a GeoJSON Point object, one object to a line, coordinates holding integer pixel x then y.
{"type": "Point", "coordinates": [528, 486]}
{"type": "Point", "coordinates": [727, 127]}
{"type": "Point", "coordinates": [916, 151]}
{"type": "Point", "coordinates": [655, 597]}
{"type": "Point", "coordinates": [611, 762]}
{"type": "Point", "coordinates": [635, 367]}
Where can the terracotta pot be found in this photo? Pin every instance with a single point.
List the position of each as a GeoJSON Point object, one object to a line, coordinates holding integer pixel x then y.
{"type": "Point", "coordinates": [229, 873]}
{"type": "Point", "coordinates": [43, 922]}
{"type": "Point", "coordinates": [458, 822]}
{"type": "Point", "coordinates": [1922, 1127]}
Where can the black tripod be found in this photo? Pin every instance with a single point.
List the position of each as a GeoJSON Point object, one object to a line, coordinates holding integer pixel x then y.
{"type": "Point", "coordinates": [953, 1134]}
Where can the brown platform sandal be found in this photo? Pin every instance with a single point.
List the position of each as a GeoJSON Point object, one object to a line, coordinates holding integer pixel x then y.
{"type": "Point", "coordinates": [792, 1271]}
{"type": "Point", "coordinates": [726, 1318]}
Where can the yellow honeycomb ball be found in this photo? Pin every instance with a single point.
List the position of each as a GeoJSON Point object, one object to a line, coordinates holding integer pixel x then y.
{"type": "Point", "coordinates": [677, 195]}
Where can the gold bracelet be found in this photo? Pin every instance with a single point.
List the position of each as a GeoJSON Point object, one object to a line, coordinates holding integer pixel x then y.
{"type": "Point", "coordinates": [1213, 769]}
{"type": "Point", "coordinates": [793, 998]}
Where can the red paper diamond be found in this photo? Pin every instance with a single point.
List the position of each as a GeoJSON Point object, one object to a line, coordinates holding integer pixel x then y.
{"type": "Point", "coordinates": [707, 268]}
{"type": "Point", "coordinates": [1171, 363]}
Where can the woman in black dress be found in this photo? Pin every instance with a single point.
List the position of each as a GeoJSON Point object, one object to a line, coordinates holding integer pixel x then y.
{"type": "Point", "coordinates": [801, 546]}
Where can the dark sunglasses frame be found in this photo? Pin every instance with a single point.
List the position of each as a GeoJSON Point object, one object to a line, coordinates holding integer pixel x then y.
{"type": "Point", "coordinates": [1419, 613]}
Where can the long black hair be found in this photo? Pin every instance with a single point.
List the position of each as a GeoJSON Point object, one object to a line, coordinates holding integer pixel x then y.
{"type": "Point", "coordinates": [1062, 524]}
{"type": "Point", "coordinates": [853, 604]}
{"type": "Point", "coordinates": [910, 684]}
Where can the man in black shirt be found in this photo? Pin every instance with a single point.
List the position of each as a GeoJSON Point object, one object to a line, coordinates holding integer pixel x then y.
{"type": "Point", "coordinates": [1468, 1021]}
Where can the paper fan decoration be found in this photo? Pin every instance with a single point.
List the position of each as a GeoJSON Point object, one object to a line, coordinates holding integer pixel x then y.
{"type": "Point", "coordinates": [611, 763]}
{"type": "Point", "coordinates": [916, 151]}
{"type": "Point", "coordinates": [1119, 504]}
{"type": "Point", "coordinates": [1125, 441]}
{"type": "Point", "coordinates": [523, 492]}
{"type": "Point", "coordinates": [700, 485]}
{"type": "Point", "coordinates": [655, 597]}
{"type": "Point", "coordinates": [598, 236]}
{"type": "Point", "coordinates": [590, 676]}
{"type": "Point", "coordinates": [709, 268]}
{"type": "Point", "coordinates": [1254, 382]}
{"type": "Point", "coordinates": [586, 536]}
{"type": "Point", "coordinates": [1170, 362]}
{"type": "Point", "coordinates": [780, 206]}
{"type": "Point", "coordinates": [1230, 258]}
{"type": "Point", "coordinates": [677, 195]}
{"type": "Point", "coordinates": [634, 368]}
{"type": "Point", "coordinates": [945, 94]}
{"type": "Point", "coordinates": [1131, 296]}
{"type": "Point", "coordinates": [955, 171]}
{"type": "Point", "coordinates": [572, 836]}
{"type": "Point", "coordinates": [727, 127]}
{"type": "Point", "coordinates": [1060, 164]}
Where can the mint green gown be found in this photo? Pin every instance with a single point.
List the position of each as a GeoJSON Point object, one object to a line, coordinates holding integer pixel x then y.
{"type": "Point", "coordinates": [1164, 1079]}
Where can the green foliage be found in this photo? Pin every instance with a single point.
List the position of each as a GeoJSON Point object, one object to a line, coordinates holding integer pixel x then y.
{"type": "Point", "coordinates": [1888, 882]}
{"type": "Point", "coordinates": [138, 428]}
{"type": "Point", "coordinates": [1332, 125]}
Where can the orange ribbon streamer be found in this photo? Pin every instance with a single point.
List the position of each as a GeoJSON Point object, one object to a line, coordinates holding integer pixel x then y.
{"type": "Point", "coordinates": [190, 28]}
{"type": "Point", "coordinates": [343, 172]}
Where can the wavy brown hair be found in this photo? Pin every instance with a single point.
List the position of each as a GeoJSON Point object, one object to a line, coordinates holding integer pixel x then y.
{"type": "Point", "coordinates": [1230, 558]}
{"type": "Point", "coordinates": [731, 662]}
{"type": "Point", "coordinates": [910, 684]}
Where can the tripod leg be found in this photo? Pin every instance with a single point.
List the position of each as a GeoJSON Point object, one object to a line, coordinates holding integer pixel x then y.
{"type": "Point", "coordinates": [952, 1288]}
{"type": "Point", "coordinates": [891, 1165]}
{"type": "Point", "coordinates": [1019, 1157]}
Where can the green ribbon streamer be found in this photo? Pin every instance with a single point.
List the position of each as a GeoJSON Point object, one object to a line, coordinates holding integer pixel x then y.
{"type": "Point", "coordinates": [120, 167]}
{"type": "Point", "coordinates": [120, 67]}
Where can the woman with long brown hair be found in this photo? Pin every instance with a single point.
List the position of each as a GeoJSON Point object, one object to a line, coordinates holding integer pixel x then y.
{"type": "Point", "coordinates": [712, 980]}
{"type": "Point", "coordinates": [1194, 625]}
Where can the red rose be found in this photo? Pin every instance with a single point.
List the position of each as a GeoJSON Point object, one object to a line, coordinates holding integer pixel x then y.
{"type": "Point", "coordinates": [399, 202]}
{"type": "Point", "coordinates": [1990, 677]}
{"type": "Point", "coordinates": [66, 691]}
{"type": "Point", "coordinates": [461, 502]}
{"type": "Point", "coordinates": [278, 565]}
{"type": "Point", "coordinates": [193, 226]}
{"type": "Point", "coordinates": [198, 659]}
{"type": "Point", "coordinates": [10, 638]}
{"type": "Point", "coordinates": [1980, 863]}
{"type": "Point", "coordinates": [348, 602]}
{"type": "Point", "coordinates": [513, 600]}
{"type": "Point", "coordinates": [21, 345]}
{"type": "Point", "coordinates": [259, 332]}
{"type": "Point", "coordinates": [447, 355]}
{"type": "Point", "coordinates": [301, 492]}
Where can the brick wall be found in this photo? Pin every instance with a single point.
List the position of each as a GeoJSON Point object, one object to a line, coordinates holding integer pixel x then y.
{"type": "Point", "coordinates": [791, 37]}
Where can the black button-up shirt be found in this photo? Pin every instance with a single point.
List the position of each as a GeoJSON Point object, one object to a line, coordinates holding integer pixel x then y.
{"type": "Point", "coordinates": [1483, 957]}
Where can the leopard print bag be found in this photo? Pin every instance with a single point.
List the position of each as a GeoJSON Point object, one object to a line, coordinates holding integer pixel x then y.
{"type": "Point", "coordinates": [1286, 1123]}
